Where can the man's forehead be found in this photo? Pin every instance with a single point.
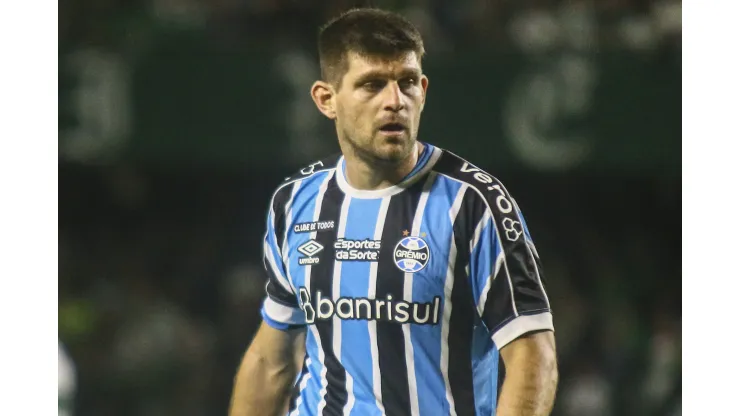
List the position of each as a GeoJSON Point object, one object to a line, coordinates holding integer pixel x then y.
{"type": "Point", "coordinates": [402, 63]}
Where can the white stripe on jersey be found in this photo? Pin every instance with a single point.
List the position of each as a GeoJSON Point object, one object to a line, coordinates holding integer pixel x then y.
{"type": "Point", "coordinates": [408, 286]}
{"type": "Point", "coordinates": [303, 383]}
{"type": "Point", "coordinates": [532, 253]}
{"type": "Point", "coordinates": [444, 363]}
{"type": "Point", "coordinates": [476, 236]}
{"type": "Point", "coordinates": [282, 313]}
{"type": "Point", "coordinates": [336, 321]}
{"type": "Point", "coordinates": [498, 240]}
{"type": "Point", "coordinates": [289, 219]}
{"type": "Point", "coordinates": [479, 229]}
{"type": "Point", "coordinates": [371, 291]}
{"type": "Point", "coordinates": [284, 282]}
{"type": "Point", "coordinates": [489, 281]}
{"type": "Point", "coordinates": [521, 325]}
{"type": "Point", "coordinates": [314, 331]}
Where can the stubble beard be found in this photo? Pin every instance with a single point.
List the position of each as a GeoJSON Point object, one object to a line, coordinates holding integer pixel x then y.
{"type": "Point", "coordinates": [370, 154]}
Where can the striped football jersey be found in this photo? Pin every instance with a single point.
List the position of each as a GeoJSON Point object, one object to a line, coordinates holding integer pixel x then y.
{"type": "Point", "coordinates": [407, 293]}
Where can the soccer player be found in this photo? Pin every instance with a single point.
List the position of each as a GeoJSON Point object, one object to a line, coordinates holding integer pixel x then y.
{"type": "Point", "coordinates": [399, 273]}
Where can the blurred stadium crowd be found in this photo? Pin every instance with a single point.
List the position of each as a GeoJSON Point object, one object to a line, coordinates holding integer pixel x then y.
{"type": "Point", "coordinates": [445, 25]}
{"type": "Point", "coordinates": [160, 277]}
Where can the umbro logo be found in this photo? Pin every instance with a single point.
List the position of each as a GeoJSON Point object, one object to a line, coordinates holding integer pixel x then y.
{"type": "Point", "coordinates": [309, 249]}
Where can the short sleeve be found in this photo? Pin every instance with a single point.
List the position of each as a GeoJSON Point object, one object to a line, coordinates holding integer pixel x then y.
{"type": "Point", "coordinates": [280, 308]}
{"type": "Point", "coordinates": [506, 272]}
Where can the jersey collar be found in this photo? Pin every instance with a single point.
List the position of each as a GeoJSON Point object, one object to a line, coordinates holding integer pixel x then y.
{"type": "Point", "coordinates": [426, 161]}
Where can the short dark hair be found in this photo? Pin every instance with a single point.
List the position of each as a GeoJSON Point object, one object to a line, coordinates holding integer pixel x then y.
{"type": "Point", "coordinates": [367, 32]}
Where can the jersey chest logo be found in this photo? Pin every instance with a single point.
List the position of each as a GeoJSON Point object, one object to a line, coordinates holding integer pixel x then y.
{"type": "Point", "coordinates": [309, 249]}
{"type": "Point", "coordinates": [411, 254]}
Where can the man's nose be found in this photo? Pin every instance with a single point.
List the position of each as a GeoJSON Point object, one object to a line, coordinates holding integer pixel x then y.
{"type": "Point", "coordinates": [393, 97]}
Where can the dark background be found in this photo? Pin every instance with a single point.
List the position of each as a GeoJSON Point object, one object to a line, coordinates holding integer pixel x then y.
{"type": "Point", "coordinates": [178, 118]}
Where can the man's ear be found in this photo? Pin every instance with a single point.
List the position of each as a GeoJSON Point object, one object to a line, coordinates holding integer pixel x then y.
{"type": "Point", "coordinates": [424, 86]}
{"type": "Point", "coordinates": [323, 95]}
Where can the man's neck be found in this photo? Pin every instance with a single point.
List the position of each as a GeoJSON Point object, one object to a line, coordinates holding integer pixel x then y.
{"type": "Point", "coordinates": [363, 175]}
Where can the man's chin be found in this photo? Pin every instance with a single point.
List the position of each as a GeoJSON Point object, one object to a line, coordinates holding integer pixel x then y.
{"type": "Point", "coordinates": [394, 150]}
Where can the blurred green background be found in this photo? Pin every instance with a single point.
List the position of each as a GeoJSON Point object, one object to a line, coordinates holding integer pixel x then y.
{"type": "Point", "coordinates": [177, 118]}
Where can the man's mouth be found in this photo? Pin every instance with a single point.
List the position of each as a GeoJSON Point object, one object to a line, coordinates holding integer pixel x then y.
{"type": "Point", "coordinates": [392, 128]}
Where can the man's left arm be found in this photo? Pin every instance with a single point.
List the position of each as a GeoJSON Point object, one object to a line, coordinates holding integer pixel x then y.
{"type": "Point", "coordinates": [509, 292]}
{"type": "Point", "coordinates": [531, 376]}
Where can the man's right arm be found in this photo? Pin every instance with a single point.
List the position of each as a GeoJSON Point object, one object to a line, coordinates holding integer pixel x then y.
{"type": "Point", "coordinates": [268, 370]}
{"type": "Point", "coordinates": [267, 373]}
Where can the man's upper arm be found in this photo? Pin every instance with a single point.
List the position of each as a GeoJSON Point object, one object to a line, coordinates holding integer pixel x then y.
{"type": "Point", "coordinates": [279, 347]}
{"type": "Point", "coordinates": [280, 308]}
{"type": "Point", "coordinates": [505, 270]}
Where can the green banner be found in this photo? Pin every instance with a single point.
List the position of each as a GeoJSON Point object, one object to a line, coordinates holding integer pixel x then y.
{"type": "Point", "coordinates": [187, 103]}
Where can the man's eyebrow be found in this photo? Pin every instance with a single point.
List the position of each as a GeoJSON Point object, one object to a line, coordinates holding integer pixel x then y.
{"type": "Point", "coordinates": [379, 74]}
{"type": "Point", "coordinates": [410, 73]}
{"type": "Point", "coordinates": [372, 74]}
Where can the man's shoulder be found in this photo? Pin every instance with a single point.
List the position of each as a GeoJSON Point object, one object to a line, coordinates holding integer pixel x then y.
{"type": "Point", "coordinates": [323, 165]}
{"type": "Point", "coordinates": [487, 186]}
{"type": "Point", "coordinates": [462, 170]}
{"type": "Point", "coordinates": [307, 172]}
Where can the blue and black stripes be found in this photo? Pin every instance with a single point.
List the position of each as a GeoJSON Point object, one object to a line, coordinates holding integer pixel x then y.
{"type": "Point", "coordinates": [407, 293]}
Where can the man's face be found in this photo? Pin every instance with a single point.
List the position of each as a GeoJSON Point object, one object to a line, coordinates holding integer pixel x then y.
{"type": "Point", "coordinates": [378, 106]}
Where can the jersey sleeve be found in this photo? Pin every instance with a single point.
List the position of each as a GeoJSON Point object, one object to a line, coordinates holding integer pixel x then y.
{"type": "Point", "coordinates": [280, 308]}
{"type": "Point", "coordinates": [506, 272]}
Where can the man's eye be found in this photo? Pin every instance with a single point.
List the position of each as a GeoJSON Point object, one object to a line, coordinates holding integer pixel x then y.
{"type": "Point", "coordinates": [408, 82]}
{"type": "Point", "coordinates": [373, 85]}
